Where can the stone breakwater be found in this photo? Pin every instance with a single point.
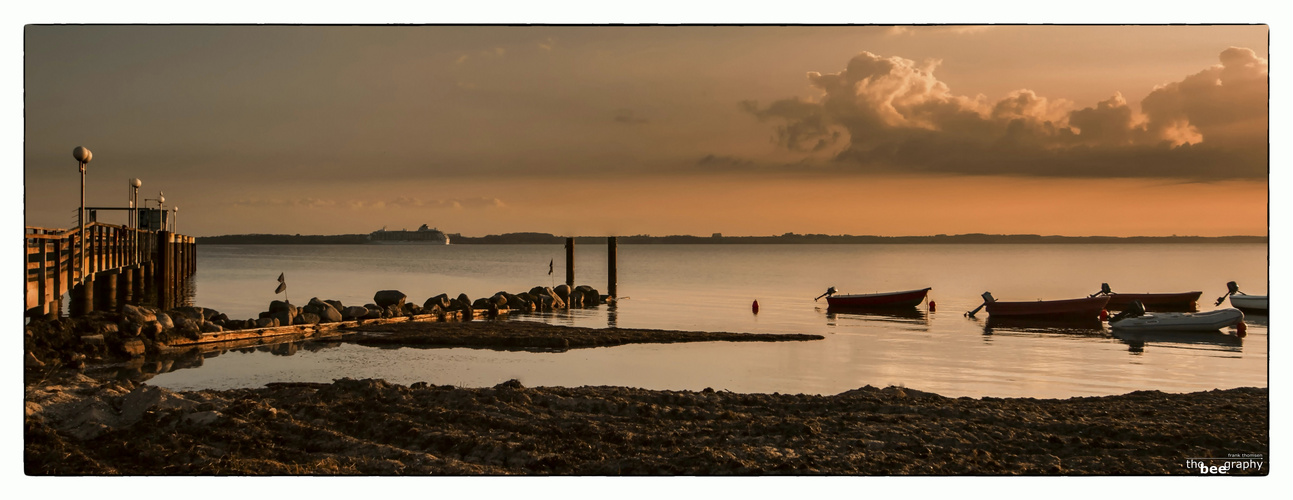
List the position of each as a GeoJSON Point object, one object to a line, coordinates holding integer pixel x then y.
{"type": "Point", "coordinates": [139, 330]}
{"type": "Point", "coordinates": [79, 425]}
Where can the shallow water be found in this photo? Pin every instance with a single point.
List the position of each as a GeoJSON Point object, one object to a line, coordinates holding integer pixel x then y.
{"type": "Point", "coordinates": [712, 287]}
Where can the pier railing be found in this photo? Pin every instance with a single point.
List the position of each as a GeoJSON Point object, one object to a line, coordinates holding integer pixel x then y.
{"type": "Point", "coordinates": [120, 265]}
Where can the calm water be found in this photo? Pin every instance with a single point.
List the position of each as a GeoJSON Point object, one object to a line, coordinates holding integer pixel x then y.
{"type": "Point", "coordinates": [711, 287]}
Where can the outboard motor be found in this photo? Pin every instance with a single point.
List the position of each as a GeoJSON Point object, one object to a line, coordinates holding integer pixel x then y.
{"type": "Point", "coordinates": [829, 291]}
{"type": "Point", "coordinates": [987, 297]}
{"type": "Point", "coordinates": [1104, 290]}
{"type": "Point", "coordinates": [1134, 310]}
{"type": "Point", "coordinates": [1231, 289]}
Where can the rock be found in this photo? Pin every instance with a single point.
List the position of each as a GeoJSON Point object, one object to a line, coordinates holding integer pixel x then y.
{"type": "Point", "coordinates": [563, 292]}
{"type": "Point", "coordinates": [387, 298]}
{"type": "Point", "coordinates": [284, 317]}
{"type": "Point", "coordinates": [374, 312]}
{"type": "Point", "coordinates": [94, 340]}
{"type": "Point", "coordinates": [203, 418]}
{"type": "Point", "coordinates": [133, 348]}
{"type": "Point", "coordinates": [137, 314]}
{"type": "Point", "coordinates": [279, 305]}
{"type": "Point", "coordinates": [209, 327]}
{"type": "Point", "coordinates": [441, 300]}
{"type": "Point", "coordinates": [499, 299]}
{"type": "Point", "coordinates": [353, 312]}
{"type": "Point", "coordinates": [31, 361]}
{"type": "Point", "coordinates": [306, 318]}
{"type": "Point", "coordinates": [464, 300]}
{"type": "Point", "coordinates": [151, 330]}
{"type": "Point", "coordinates": [216, 318]}
{"type": "Point", "coordinates": [165, 320]}
{"type": "Point", "coordinates": [266, 322]}
{"type": "Point", "coordinates": [130, 329]}
{"type": "Point", "coordinates": [481, 303]}
{"type": "Point", "coordinates": [190, 312]}
{"type": "Point", "coordinates": [330, 315]}
{"type": "Point", "coordinates": [336, 304]}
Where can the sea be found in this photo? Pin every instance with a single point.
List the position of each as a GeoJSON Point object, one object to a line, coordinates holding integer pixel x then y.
{"type": "Point", "coordinates": [713, 287]}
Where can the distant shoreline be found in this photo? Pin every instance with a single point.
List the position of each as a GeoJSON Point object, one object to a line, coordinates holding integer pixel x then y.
{"type": "Point", "coordinates": [789, 238]}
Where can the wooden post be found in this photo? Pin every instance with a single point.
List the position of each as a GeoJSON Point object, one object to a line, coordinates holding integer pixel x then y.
{"type": "Point", "coordinates": [137, 282]}
{"type": "Point", "coordinates": [107, 293]}
{"type": "Point", "coordinates": [83, 296]}
{"type": "Point", "coordinates": [163, 270]}
{"type": "Point", "coordinates": [42, 275]}
{"type": "Point", "coordinates": [58, 279]}
{"type": "Point", "coordinates": [610, 266]}
{"type": "Point", "coordinates": [570, 262]}
{"type": "Point", "coordinates": [125, 286]}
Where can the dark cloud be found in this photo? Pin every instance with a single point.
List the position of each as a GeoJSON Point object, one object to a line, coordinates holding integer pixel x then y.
{"type": "Point", "coordinates": [890, 113]}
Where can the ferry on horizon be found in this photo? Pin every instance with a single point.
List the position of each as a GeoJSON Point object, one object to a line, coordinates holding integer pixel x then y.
{"type": "Point", "coordinates": [423, 236]}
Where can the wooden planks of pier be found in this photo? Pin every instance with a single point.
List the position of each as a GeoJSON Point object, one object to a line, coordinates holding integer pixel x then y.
{"type": "Point", "coordinates": [120, 265]}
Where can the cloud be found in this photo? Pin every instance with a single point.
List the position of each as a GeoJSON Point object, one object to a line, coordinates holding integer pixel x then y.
{"type": "Point", "coordinates": [890, 113]}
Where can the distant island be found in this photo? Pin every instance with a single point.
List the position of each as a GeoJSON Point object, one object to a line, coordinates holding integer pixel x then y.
{"type": "Point", "coordinates": [719, 239]}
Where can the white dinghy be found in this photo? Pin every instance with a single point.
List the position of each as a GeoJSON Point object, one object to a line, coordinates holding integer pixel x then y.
{"type": "Point", "coordinates": [1210, 321]}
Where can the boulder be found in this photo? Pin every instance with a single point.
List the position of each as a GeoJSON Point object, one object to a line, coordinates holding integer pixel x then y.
{"type": "Point", "coordinates": [499, 299]}
{"type": "Point", "coordinates": [190, 312]}
{"type": "Point", "coordinates": [353, 312]}
{"type": "Point", "coordinates": [129, 329]}
{"type": "Point", "coordinates": [481, 303]}
{"type": "Point", "coordinates": [151, 330]}
{"type": "Point", "coordinates": [374, 312]}
{"type": "Point", "coordinates": [279, 305]}
{"type": "Point", "coordinates": [330, 315]}
{"type": "Point", "coordinates": [268, 322]}
{"type": "Point", "coordinates": [306, 318]}
{"type": "Point", "coordinates": [563, 292]}
{"type": "Point", "coordinates": [336, 304]}
{"type": "Point", "coordinates": [165, 320]}
{"type": "Point", "coordinates": [441, 300]}
{"type": "Point", "coordinates": [387, 298]}
{"type": "Point", "coordinates": [137, 314]}
{"type": "Point", "coordinates": [218, 317]}
{"type": "Point", "coordinates": [209, 327]}
{"type": "Point", "coordinates": [284, 317]}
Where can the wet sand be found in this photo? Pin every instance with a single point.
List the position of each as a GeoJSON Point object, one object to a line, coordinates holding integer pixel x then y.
{"type": "Point", "coordinates": [79, 425]}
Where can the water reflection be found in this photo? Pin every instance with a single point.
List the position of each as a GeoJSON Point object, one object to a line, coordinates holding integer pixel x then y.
{"type": "Point", "coordinates": [144, 368]}
{"type": "Point", "coordinates": [1080, 328]}
{"type": "Point", "coordinates": [843, 316]}
{"type": "Point", "coordinates": [1210, 341]}
{"type": "Point", "coordinates": [1257, 319]}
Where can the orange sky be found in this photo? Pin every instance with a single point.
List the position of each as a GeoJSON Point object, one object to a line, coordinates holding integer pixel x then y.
{"type": "Point", "coordinates": [1072, 130]}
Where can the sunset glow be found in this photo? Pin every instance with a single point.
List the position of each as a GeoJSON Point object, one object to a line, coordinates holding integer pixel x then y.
{"type": "Point", "coordinates": [659, 130]}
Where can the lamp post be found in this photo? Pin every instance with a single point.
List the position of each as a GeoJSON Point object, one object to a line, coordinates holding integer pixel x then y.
{"type": "Point", "coordinates": [134, 214]}
{"type": "Point", "coordinates": [175, 217]}
{"type": "Point", "coordinates": [82, 156]}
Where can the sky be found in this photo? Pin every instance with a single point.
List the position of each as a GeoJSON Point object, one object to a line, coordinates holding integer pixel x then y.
{"type": "Point", "coordinates": [1073, 130]}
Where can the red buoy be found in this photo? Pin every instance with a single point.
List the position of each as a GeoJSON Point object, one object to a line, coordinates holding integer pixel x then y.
{"type": "Point", "coordinates": [931, 306]}
{"type": "Point", "coordinates": [1104, 315]}
{"type": "Point", "coordinates": [1241, 329]}
{"type": "Point", "coordinates": [755, 307]}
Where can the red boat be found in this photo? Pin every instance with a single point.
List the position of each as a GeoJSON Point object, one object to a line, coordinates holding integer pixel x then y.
{"type": "Point", "coordinates": [886, 300]}
{"type": "Point", "coordinates": [1184, 301]}
{"type": "Point", "coordinates": [1089, 307]}
{"type": "Point", "coordinates": [1163, 302]}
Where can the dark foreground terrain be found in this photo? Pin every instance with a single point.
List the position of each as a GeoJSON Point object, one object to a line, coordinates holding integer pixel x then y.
{"type": "Point", "coordinates": [77, 425]}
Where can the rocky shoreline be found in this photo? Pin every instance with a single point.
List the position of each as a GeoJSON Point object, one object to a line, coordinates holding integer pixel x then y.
{"type": "Point", "coordinates": [79, 425]}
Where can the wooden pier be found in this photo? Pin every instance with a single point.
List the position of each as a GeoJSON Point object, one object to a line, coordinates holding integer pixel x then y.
{"type": "Point", "coordinates": [119, 266]}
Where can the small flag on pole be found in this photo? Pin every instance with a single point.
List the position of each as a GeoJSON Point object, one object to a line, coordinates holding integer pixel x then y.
{"type": "Point", "coordinates": [282, 284]}
{"type": "Point", "coordinates": [550, 266]}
